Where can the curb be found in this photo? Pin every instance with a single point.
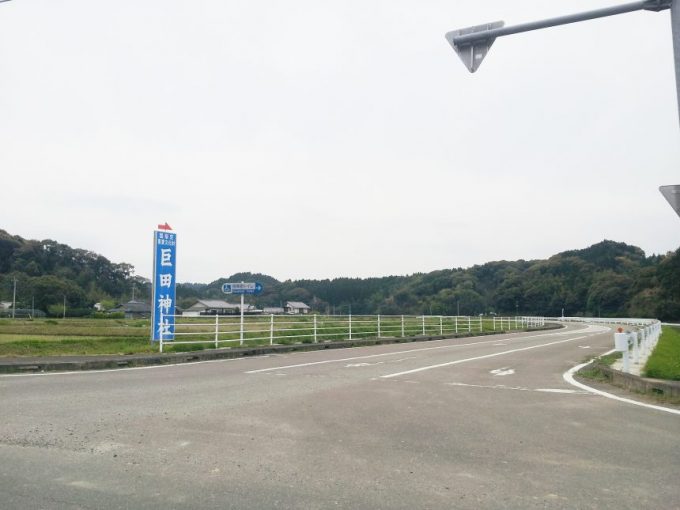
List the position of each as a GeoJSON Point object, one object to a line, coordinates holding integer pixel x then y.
{"type": "Point", "coordinates": [84, 363]}
{"type": "Point", "coordinates": [639, 384]}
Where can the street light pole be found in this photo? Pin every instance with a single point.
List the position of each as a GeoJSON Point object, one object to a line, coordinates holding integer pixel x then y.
{"type": "Point", "coordinates": [675, 30]}
{"type": "Point", "coordinates": [473, 43]}
{"type": "Point", "coordinates": [14, 298]}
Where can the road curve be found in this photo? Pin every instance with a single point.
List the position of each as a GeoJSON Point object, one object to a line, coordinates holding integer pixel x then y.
{"type": "Point", "coordinates": [485, 422]}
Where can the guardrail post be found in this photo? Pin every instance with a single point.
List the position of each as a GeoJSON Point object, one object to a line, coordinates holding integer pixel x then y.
{"type": "Point", "coordinates": [469, 324]}
{"type": "Point", "coordinates": [441, 326]}
{"type": "Point", "coordinates": [621, 345]}
{"type": "Point", "coordinates": [314, 328]}
{"type": "Point", "coordinates": [516, 325]}
{"type": "Point", "coordinates": [636, 347]}
{"type": "Point", "coordinates": [217, 328]}
{"type": "Point", "coordinates": [494, 323]}
{"type": "Point", "coordinates": [350, 326]}
{"type": "Point", "coordinates": [241, 336]}
{"type": "Point", "coordinates": [456, 323]}
{"type": "Point", "coordinates": [481, 326]}
{"type": "Point", "coordinates": [271, 329]}
{"type": "Point", "coordinates": [423, 324]}
{"type": "Point", "coordinates": [402, 327]}
{"type": "Point", "coordinates": [379, 326]}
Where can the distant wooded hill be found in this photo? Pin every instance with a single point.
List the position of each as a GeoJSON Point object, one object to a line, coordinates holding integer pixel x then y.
{"type": "Point", "coordinates": [606, 279]}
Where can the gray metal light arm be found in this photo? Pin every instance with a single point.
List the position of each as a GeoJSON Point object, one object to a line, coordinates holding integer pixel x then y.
{"type": "Point", "coordinates": [473, 43]}
{"type": "Point", "coordinates": [467, 39]}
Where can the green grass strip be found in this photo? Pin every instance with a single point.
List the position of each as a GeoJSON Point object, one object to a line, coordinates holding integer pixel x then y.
{"type": "Point", "coordinates": [664, 363]}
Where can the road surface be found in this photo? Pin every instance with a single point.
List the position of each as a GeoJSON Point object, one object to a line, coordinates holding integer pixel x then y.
{"type": "Point", "coordinates": [485, 422]}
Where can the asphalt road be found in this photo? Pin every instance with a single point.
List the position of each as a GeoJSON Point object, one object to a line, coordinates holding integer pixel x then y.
{"type": "Point", "coordinates": [483, 422]}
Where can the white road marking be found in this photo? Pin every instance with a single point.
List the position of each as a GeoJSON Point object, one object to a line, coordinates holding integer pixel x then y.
{"type": "Point", "coordinates": [485, 356]}
{"type": "Point", "coordinates": [569, 377]}
{"type": "Point", "coordinates": [353, 365]}
{"type": "Point", "coordinates": [557, 390]}
{"type": "Point", "coordinates": [517, 388]}
{"type": "Point", "coordinates": [502, 371]}
{"type": "Point", "coordinates": [451, 346]}
{"type": "Point", "coordinates": [584, 346]}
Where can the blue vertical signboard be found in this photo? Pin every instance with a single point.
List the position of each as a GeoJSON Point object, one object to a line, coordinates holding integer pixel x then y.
{"type": "Point", "coordinates": [163, 302]}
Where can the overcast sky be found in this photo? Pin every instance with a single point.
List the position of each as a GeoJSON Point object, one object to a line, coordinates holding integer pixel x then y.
{"type": "Point", "coordinates": [314, 139]}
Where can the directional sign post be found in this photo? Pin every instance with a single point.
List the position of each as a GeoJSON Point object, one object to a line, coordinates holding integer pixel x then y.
{"type": "Point", "coordinates": [242, 289]}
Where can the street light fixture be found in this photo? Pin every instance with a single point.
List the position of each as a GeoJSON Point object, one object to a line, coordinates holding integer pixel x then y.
{"type": "Point", "coordinates": [473, 43]}
{"type": "Point", "coordinates": [672, 194]}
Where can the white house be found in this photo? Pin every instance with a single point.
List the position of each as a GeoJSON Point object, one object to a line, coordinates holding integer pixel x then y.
{"type": "Point", "coordinates": [297, 307]}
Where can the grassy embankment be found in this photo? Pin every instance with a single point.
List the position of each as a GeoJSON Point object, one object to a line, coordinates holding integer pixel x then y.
{"type": "Point", "coordinates": [664, 363]}
{"type": "Point", "coordinates": [59, 337]}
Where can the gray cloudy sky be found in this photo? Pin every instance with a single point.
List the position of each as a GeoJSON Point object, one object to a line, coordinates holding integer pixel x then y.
{"type": "Point", "coordinates": [314, 138]}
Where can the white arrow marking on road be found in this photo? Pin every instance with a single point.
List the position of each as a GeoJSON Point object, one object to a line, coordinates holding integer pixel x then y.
{"type": "Point", "coordinates": [503, 371]}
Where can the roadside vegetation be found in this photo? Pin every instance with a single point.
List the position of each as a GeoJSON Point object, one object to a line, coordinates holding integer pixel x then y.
{"type": "Point", "coordinates": [593, 371]}
{"type": "Point", "coordinates": [62, 337]}
{"type": "Point", "coordinates": [607, 279]}
{"type": "Point", "coordinates": [664, 363]}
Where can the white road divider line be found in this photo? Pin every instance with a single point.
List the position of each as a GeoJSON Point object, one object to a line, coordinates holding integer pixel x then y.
{"type": "Point", "coordinates": [518, 388]}
{"type": "Point", "coordinates": [341, 360]}
{"type": "Point", "coordinates": [569, 377]}
{"type": "Point", "coordinates": [485, 356]}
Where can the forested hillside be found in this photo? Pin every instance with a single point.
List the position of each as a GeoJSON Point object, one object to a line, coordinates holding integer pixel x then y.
{"type": "Point", "coordinates": [607, 279]}
{"type": "Point", "coordinates": [47, 273]}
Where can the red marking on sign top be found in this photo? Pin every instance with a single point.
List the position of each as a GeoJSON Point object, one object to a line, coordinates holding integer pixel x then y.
{"type": "Point", "coordinates": [164, 227]}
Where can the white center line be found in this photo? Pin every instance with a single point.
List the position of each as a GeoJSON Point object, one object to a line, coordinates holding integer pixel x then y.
{"type": "Point", "coordinates": [340, 360]}
{"type": "Point", "coordinates": [485, 356]}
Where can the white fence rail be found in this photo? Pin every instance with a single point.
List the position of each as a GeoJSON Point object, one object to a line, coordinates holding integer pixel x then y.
{"type": "Point", "coordinates": [637, 343]}
{"type": "Point", "coordinates": [285, 329]}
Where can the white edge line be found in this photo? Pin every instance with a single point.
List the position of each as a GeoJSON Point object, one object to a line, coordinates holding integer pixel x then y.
{"type": "Point", "coordinates": [569, 377]}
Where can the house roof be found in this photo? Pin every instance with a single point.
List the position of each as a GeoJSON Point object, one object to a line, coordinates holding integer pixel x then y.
{"type": "Point", "coordinates": [296, 304]}
{"type": "Point", "coordinates": [211, 303]}
{"type": "Point", "coordinates": [133, 306]}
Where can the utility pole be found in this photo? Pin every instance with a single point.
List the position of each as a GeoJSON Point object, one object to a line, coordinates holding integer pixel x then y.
{"type": "Point", "coordinates": [14, 298]}
{"type": "Point", "coordinates": [473, 43]}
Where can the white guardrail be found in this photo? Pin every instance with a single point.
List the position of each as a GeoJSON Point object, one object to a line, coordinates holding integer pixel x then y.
{"type": "Point", "coordinates": [639, 342]}
{"type": "Point", "coordinates": [312, 328]}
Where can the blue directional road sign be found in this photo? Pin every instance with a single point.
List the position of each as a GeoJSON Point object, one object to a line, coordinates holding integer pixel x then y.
{"type": "Point", "coordinates": [242, 288]}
